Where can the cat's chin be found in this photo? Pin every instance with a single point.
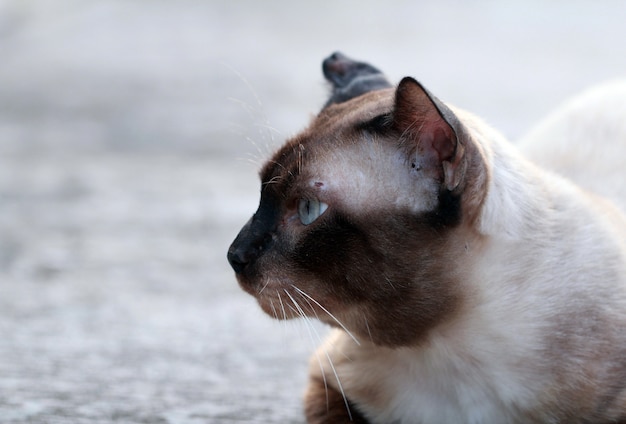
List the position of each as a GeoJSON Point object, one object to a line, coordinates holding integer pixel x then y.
{"type": "Point", "coordinates": [277, 298]}
{"type": "Point", "coordinates": [283, 300]}
{"type": "Point", "coordinates": [282, 305]}
{"type": "Point", "coordinates": [275, 310]}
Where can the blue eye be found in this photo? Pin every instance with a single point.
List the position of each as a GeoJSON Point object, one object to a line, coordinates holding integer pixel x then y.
{"type": "Point", "coordinates": [310, 209]}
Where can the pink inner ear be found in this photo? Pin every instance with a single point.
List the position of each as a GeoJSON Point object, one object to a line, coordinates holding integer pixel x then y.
{"type": "Point", "coordinates": [437, 136]}
{"type": "Point", "coordinates": [416, 115]}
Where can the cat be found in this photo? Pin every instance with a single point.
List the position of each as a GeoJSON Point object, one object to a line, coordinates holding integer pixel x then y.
{"type": "Point", "coordinates": [465, 283]}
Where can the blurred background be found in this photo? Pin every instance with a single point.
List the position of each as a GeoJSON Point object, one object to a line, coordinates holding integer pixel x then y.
{"type": "Point", "coordinates": [131, 132]}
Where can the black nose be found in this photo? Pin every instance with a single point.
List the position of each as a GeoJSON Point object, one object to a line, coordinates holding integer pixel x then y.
{"type": "Point", "coordinates": [255, 237]}
{"type": "Point", "coordinates": [246, 250]}
{"type": "Point", "coordinates": [252, 241]}
{"type": "Point", "coordinates": [238, 259]}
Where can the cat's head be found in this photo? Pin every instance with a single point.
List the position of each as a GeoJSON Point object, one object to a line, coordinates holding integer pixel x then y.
{"type": "Point", "coordinates": [363, 217]}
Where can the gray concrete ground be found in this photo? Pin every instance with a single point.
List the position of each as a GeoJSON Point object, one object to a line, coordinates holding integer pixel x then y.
{"type": "Point", "coordinates": [130, 135]}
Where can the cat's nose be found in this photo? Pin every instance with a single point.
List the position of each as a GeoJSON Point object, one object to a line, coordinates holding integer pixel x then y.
{"type": "Point", "coordinates": [251, 242]}
{"type": "Point", "coordinates": [240, 255]}
{"type": "Point", "coordinates": [238, 259]}
{"type": "Point", "coordinates": [254, 238]}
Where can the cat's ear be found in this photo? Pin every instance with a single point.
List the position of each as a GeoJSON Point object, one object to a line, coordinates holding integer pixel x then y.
{"type": "Point", "coordinates": [350, 79]}
{"type": "Point", "coordinates": [430, 129]}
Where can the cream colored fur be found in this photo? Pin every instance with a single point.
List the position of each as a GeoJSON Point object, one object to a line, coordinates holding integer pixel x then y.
{"type": "Point", "coordinates": [543, 335]}
{"type": "Point", "coordinates": [584, 141]}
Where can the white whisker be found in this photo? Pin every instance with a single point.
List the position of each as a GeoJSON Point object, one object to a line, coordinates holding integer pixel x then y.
{"type": "Point", "coordinates": [390, 282]}
{"type": "Point", "coordinates": [306, 299]}
{"type": "Point", "coordinates": [368, 328]}
{"type": "Point", "coordinates": [253, 160]}
{"type": "Point", "coordinates": [282, 305]}
{"type": "Point", "coordinates": [264, 286]}
{"type": "Point", "coordinates": [329, 314]}
{"type": "Point", "coordinates": [275, 179]}
{"type": "Point", "coordinates": [260, 152]}
{"type": "Point", "coordinates": [245, 105]}
{"type": "Point", "coordinates": [269, 128]}
{"type": "Point", "coordinates": [300, 157]}
{"type": "Point", "coordinates": [343, 394]}
{"type": "Point", "coordinates": [252, 90]}
{"type": "Point", "coordinates": [293, 309]}
{"type": "Point", "coordinates": [280, 165]}
{"type": "Point", "coordinates": [313, 332]}
{"type": "Point", "coordinates": [256, 114]}
{"type": "Point", "coordinates": [299, 309]}
{"type": "Point", "coordinates": [273, 309]}
{"type": "Point", "coordinates": [319, 362]}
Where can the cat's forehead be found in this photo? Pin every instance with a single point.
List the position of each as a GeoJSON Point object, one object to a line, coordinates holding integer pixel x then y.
{"type": "Point", "coordinates": [350, 114]}
{"type": "Point", "coordinates": [335, 129]}
{"type": "Point", "coordinates": [341, 163]}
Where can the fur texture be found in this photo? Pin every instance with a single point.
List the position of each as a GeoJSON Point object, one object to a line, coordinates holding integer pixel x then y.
{"type": "Point", "coordinates": [466, 283]}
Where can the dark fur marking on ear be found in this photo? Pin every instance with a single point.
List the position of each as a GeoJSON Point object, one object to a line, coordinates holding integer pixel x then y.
{"type": "Point", "coordinates": [350, 79]}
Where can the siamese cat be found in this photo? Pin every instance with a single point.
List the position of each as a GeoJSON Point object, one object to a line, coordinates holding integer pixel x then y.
{"type": "Point", "coordinates": [466, 284]}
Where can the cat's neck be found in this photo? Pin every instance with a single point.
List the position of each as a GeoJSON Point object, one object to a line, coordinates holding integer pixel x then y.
{"type": "Point", "coordinates": [517, 192]}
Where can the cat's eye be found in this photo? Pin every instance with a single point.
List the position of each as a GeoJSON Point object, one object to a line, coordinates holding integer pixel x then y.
{"type": "Point", "coordinates": [310, 209]}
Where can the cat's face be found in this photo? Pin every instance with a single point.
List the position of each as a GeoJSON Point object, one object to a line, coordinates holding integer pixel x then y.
{"type": "Point", "coordinates": [358, 219]}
